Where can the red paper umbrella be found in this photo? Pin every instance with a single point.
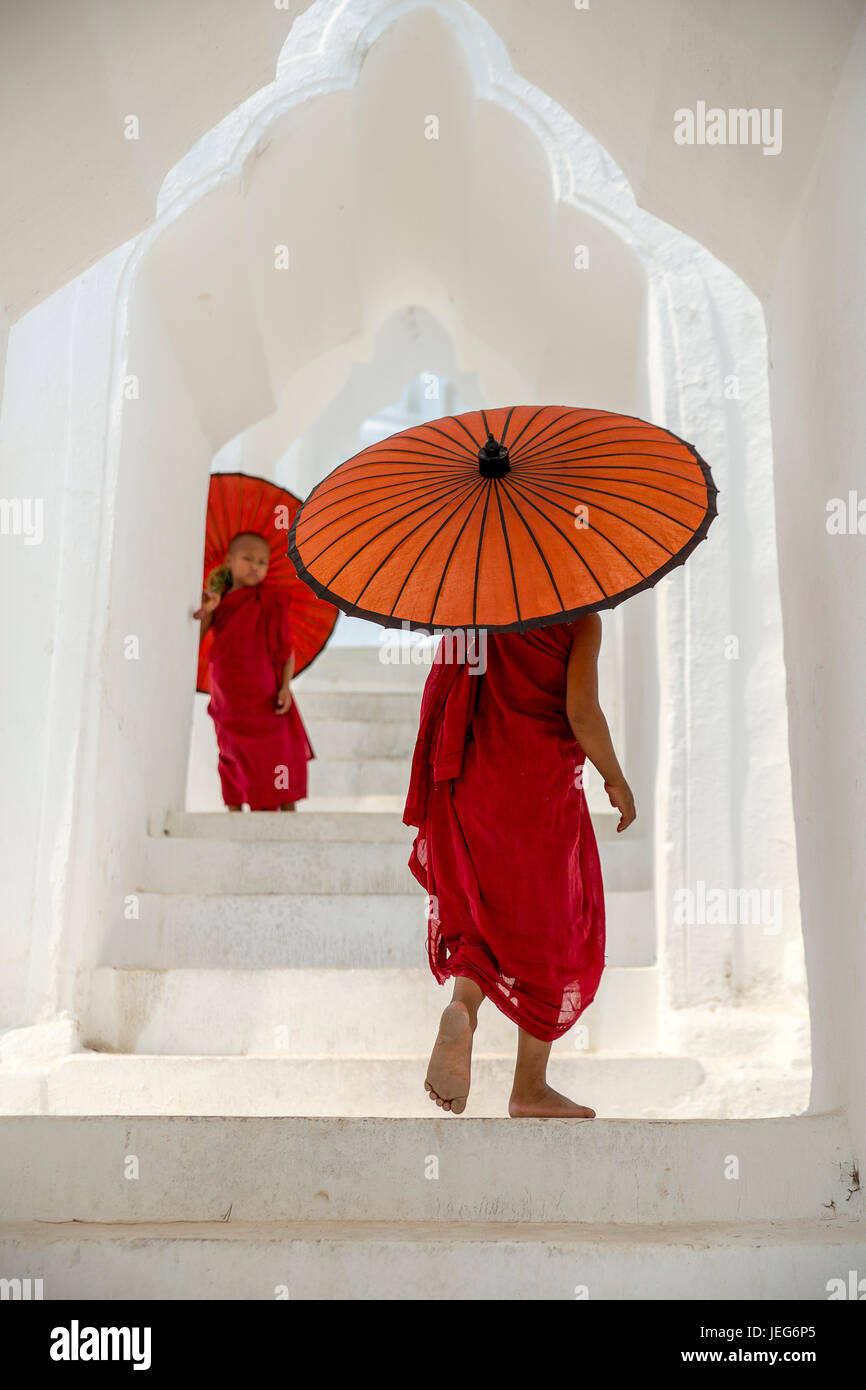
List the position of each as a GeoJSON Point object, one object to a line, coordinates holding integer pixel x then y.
{"type": "Point", "coordinates": [239, 502]}
{"type": "Point", "coordinates": [506, 519]}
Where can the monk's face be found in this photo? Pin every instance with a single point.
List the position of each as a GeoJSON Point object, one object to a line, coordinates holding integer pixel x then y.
{"type": "Point", "coordinates": [249, 559]}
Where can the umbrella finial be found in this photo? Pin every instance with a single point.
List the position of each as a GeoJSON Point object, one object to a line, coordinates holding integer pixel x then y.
{"type": "Point", "coordinates": [493, 461]}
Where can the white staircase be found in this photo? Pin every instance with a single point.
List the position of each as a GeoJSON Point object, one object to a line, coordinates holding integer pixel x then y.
{"type": "Point", "coordinates": [257, 1039]}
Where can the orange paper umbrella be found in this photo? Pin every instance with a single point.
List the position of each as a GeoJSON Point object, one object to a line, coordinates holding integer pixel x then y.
{"type": "Point", "coordinates": [239, 502]}
{"type": "Point", "coordinates": [505, 519]}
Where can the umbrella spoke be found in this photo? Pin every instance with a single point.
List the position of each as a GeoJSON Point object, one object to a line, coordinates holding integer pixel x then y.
{"type": "Point", "coordinates": [532, 536]}
{"type": "Point", "coordinates": [508, 550]}
{"type": "Point", "coordinates": [635, 501]}
{"type": "Point", "coordinates": [569, 511]}
{"type": "Point", "coordinates": [374, 516]}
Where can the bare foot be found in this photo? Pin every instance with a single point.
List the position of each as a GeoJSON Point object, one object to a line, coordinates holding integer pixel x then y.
{"type": "Point", "coordinates": [544, 1103]}
{"type": "Point", "coordinates": [448, 1072]}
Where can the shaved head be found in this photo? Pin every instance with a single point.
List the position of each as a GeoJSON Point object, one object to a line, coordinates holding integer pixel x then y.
{"type": "Point", "coordinates": [244, 537]}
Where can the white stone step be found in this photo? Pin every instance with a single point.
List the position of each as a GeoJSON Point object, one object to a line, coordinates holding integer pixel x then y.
{"type": "Point", "coordinates": [349, 819]}
{"type": "Point", "coordinates": [362, 739]}
{"type": "Point", "coordinates": [280, 866]}
{"type": "Point", "coordinates": [312, 822]}
{"type": "Point", "coordinates": [370, 706]}
{"type": "Point", "coordinates": [332, 1013]}
{"type": "Point", "coordinates": [272, 930]}
{"type": "Point", "coordinates": [329, 775]}
{"type": "Point", "coordinates": [427, 1261]}
{"type": "Point", "coordinates": [306, 824]}
{"type": "Point", "coordinates": [294, 930]}
{"type": "Point", "coordinates": [446, 1168]}
{"type": "Point", "coordinates": [288, 863]}
{"type": "Point", "coordinates": [364, 669]}
{"type": "Point", "coordinates": [620, 1086]}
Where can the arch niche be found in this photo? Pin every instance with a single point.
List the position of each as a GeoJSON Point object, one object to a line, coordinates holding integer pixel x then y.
{"type": "Point", "coordinates": [398, 171]}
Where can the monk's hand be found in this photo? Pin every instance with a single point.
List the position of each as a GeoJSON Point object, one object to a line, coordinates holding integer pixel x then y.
{"type": "Point", "coordinates": [621, 798]}
{"type": "Point", "coordinates": [208, 604]}
{"type": "Point", "coordinates": [284, 699]}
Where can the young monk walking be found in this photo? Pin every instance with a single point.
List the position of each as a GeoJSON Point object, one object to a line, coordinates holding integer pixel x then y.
{"type": "Point", "coordinates": [506, 849]}
{"type": "Point", "coordinates": [263, 745]}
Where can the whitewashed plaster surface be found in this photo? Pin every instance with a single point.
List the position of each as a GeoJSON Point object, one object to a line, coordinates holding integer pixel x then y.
{"type": "Point", "coordinates": [224, 349]}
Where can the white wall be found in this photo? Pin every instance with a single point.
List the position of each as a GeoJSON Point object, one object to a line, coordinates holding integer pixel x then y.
{"type": "Point", "coordinates": [218, 337]}
{"type": "Point", "coordinates": [158, 524]}
{"type": "Point", "coordinates": [52, 448]}
{"type": "Point", "coordinates": [818, 347]}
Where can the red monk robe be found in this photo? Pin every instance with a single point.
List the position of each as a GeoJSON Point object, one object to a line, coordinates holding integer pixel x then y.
{"type": "Point", "coordinates": [505, 845]}
{"type": "Point", "coordinates": [251, 644]}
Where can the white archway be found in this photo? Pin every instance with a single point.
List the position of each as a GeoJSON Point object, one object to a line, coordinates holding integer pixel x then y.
{"type": "Point", "coordinates": [677, 310]}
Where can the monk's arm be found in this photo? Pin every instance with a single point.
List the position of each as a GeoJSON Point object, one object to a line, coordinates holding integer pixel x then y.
{"type": "Point", "coordinates": [205, 613]}
{"type": "Point", "coordinates": [586, 716]}
{"type": "Point", "coordinates": [284, 694]}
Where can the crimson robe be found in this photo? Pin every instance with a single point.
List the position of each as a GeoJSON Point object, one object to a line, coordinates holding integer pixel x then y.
{"type": "Point", "coordinates": [262, 755]}
{"type": "Point", "coordinates": [505, 846]}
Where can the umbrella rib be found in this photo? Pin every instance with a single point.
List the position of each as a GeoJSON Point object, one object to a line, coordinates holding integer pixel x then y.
{"type": "Point", "coordinates": [574, 424]}
{"type": "Point", "coordinates": [369, 541]}
{"type": "Point", "coordinates": [606, 538]}
{"type": "Point", "coordinates": [568, 468]}
{"type": "Point", "coordinates": [431, 462]}
{"type": "Point", "coordinates": [427, 543]}
{"type": "Point", "coordinates": [586, 482]}
{"type": "Point", "coordinates": [661, 436]}
{"type": "Point", "coordinates": [458, 420]}
{"type": "Point", "coordinates": [309, 536]}
{"type": "Point", "coordinates": [535, 542]}
{"type": "Point", "coordinates": [505, 426]}
{"type": "Point", "coordinates": [478, 557]}
{"type": "Point", "coordinates": [624, 519]}
{"type": "Point", "coordinates": [403, 485]}
{"type": "Point", "coordinates": [582, 558]}
{"type": "Point", "coordinates": [508, 551]}
{"type": "Point", "coordinates": [458, 443]}
{"type": "Point", "coordinates": [635, 502]}
{"type": "Point", "coordinates": [379, 482]}
{"type": "Point", "coordinates": [387, 447]}
{"type": "Point", "coordinates": [257, 502]}
{"type": "Point", "coordinates": [447, 564]}
{"type": "Point", "coordinates": [531, 421]}
{"type": "Point", "coordinates": [617, 459]}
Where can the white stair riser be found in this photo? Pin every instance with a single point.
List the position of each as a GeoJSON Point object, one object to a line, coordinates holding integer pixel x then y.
{"type": "Point", "coordinates": [357, 1013]}
{"type": "Point", "coordinates": [616, 1087]}
{"type": "Point", "coordinates": [382, 707]}
{"type": "Point", "coordinates": [329, 775]}
{"type": "Point", "coordinates": [284, 1169]}
{"type": "Point", "coordinates": [334, 739]}
{"type": "Point", "coordinates": [511, 1264]}
{"type": "Point", "coordinates": [277, 930]}
{"type": "Point", "coordinates": [299, 930]}
{"type": "Point", "coordinates": [365, 668]}
{"type": "Point", "coordinates": [304, 825]}
{"type": "Point", "coordinates": [200, 866]}
{"type": "Point", "coordinates": [311, 824]}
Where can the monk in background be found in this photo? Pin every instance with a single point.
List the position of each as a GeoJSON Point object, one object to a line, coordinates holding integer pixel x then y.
{"type": "Point", "coordinates": [507, 852]}
{"type": "Point", "coordinates": [263, 745]}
